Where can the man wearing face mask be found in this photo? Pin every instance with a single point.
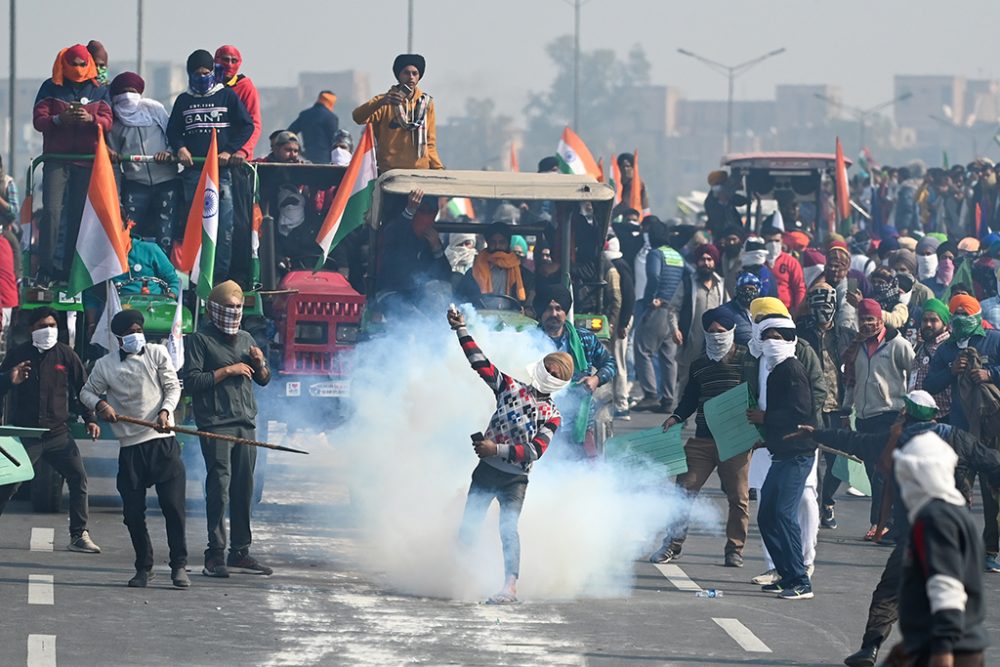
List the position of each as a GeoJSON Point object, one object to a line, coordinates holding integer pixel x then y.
{"type": "Point", "coordinates": [876, 375]}
{"type": "Point", "coordinates": [913, 293]}
{"type": "Point", "coordinates": [44, 378]}
{"type": "Point", "coordinates": [221, 365]}
{"type": "Point", "coordinates": [100, 56]}
{"type": "Point", "coordinates": [228, 60]}
{"type": "Point", "coordinates": [789, 282]}
{"type": "Point", "coordinates": [747, 289]}
{"type": "Point", "coordinates": [495, 271]}
{"type": "Point", "coordinates": [700, 292]}
{"type": "Point", "coordinates": [69, 109]}
{"type": "Point", "coordinates": [209, 106]}
{"type": "Point", "coordinates": [927, 259]}
{"type": "Point", "coordinates": [819, 329]}
{"type": "Point", "coordinates": [343, 149]}
{"type": "Point", "coordinates": [753, 259]}
{"type": "Point", "coordinates": [884, 289]}
{"type": "Point", "coordinates": [139, 380]}
{"type": "Point", "coordinates": [722, 204]}
{"type": "Point", "coordinates": [716, 371]}
{"type": "Point", "coordinates": [150, 191]}
{"type": "Point", "coordinates": [730, 265]}
{"type": "Point", "coordinates": [945, 269]}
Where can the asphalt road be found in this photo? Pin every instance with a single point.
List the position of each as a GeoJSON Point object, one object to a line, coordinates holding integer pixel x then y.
{"type": "Point", "coordinates": [318, 608]}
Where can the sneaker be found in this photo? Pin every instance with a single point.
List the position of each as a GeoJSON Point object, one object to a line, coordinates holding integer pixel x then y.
{"type": "Point", "coordinates": [141, 578]}
{"type": "Point", "coordinates": [664, 554]}
{"type": "Point", "coordinates": [215, 566]}
{"type": "Point", "coordinates": [734, 559]}
{"type": "Point", "coordinates": [245, 563]}
{"type": "Point", "coordinates": [623, 415]}
{"type": "Point", "coordinates": [772, 588]}
{"type": "Point", "coordinates": [179, 577]}
{"type": "Point", "coordinates": [83, 544]}
{"type": "Point", "coordinates": [804, 592]}
{"type": "Point", "coordinates": [827, 519]}
{"type": "Point", "coordinates": [992, 563]}
{"type": "Point", "coordinates": [648, 404]}
{"type": "Point", "coordinates": [663, 408]}
{"type": "Point", "coordinates": [769, 577]}
{"type": "Point", "coordinates": [855, 492]}
{"type": "Point", "coordinates": [866, 656]}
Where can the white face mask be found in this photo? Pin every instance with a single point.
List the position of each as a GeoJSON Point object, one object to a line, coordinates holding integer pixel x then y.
{"type": "Point", "coordinates": [45, 338]}
{"type": "Point", "coordinates": [776, 350]}
{"type": "Point", "coordinates": [126, 101]}
{"type": "Point", "coordinates": [773, 250]}
{"type": "Point", "coordinates": [927, 266]}
{"type": "Point", "coordinates": [133, 343]}
{"type": "Point", "coordinates": [543, 381]}
{"type": "Point", "coordinates": [718, 343]}
{"type": "Point", "coordinates": [340, 157]}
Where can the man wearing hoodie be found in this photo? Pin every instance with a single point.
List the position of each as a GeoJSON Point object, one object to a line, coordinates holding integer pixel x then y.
{"type": "Point", "coordinates": [227, 71]}
{"type": "Point", "coordinates": [209, 106]}
{"type": "Point", "coordinates": [518, 434]}
{"type": "Point", "coordinates": [789, 282]}
{"type": "Point", "coordinates": [150, 191]}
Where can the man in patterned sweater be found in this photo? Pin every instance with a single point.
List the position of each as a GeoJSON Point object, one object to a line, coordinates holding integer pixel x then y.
{"type": "Point", "coordinates": [518, 434]}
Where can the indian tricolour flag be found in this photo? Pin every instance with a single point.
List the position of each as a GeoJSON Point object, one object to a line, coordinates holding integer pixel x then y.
{"type": "Point", "coordinates": [459, 206]}
{"type": "Point", "coordinates": [198, 251]}
{"type": "Point", "coordinates": [102, 245]}
{"type": "Point", "coordinates": [574, 156]}
{"type": "Point", "coordinates": [354, 196]}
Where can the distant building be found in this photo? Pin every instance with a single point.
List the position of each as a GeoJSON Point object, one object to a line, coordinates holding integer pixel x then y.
{"type": "Point", "coordinates": [806, 106]}
{"type": "Point", "coordinates": [930, 96]}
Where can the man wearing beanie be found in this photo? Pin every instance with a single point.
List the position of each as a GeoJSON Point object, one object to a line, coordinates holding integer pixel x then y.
{"type": "Point", "coordinates": [139, 380]}
{"type": "Point", "coordinates": [716, 371]}
{"type": "Point", "coordinates": [151, 192]}
{"type": "Point", "coordinates": [701, 291]}
{"type": "Point", "coordinates": [876, 375]}
{"type": "Point", "coordinates": [403, 119]}
{"type": "Point", "coordinates": [209, 106]}
{"type": "Point", "coordinates": [221, 363]}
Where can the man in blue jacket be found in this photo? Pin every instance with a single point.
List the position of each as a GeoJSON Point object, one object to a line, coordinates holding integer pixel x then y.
{"type": "Point", "coordinates": [318, 127]}
{"type": "Point", "coordinates": [209, 105]}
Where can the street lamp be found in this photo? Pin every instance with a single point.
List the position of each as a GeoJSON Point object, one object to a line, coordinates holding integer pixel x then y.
{"type": "Point", "coordinates": [731, 72]}
{"type": "Point", "coordinates": [965, 127]}
{"type": "Point", "coordinates": [577, 4]}
{"type": "Point", "coordinates": [864, 114]}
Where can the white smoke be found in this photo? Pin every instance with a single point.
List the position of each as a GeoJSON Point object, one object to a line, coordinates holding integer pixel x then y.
{"type": "Point", "coordinates": [414, 403]}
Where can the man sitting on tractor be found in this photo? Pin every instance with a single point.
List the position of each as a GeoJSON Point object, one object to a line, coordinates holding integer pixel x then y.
{"type": "Point", "coordinates": [496, 273]}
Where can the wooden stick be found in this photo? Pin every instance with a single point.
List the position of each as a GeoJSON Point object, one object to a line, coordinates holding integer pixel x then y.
{"type": "Point", "coordinates": [213, 436]}
{"type": "Point", "coordinates": [831, 450]}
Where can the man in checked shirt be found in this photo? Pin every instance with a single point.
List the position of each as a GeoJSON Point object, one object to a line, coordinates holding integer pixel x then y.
{"type": "Point", "coordinates": [518, 434]}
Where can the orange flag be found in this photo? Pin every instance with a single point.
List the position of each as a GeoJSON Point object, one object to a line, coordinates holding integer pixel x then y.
{"type": "Point", "coordinates": [616, 176]}
{"type": "Point", "coordinates": [635, 200]}
{"type": "Point", "coordinates": [843, 194]}
{"type": "Point", "coordinates": [514, 166]}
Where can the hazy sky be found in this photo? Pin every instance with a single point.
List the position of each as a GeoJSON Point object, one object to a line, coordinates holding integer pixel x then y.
{"type": "Point", "coordinates": [496, 48]}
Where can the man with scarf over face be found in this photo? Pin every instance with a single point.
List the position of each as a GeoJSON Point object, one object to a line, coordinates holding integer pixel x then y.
{"type": "Point", "coordinates": [209, 106]}
{"type": "Point", "coordinates": [221, 364]}
{"type": "Point", "coordinates": [819, 329]}
{"type": "Point", "coordinates": [403, 119]}
{"type": "Point", "coordinates": [519, 433]}
{"type": "Point", "coordinates": [716, 371]}
{"type": "Point", "coordinates": [700, 292]}
{"type": "Point", "coordinates": [228, 60]}
{"type": "Point", "coordinates": [593, 365]}
{"type": "Point", "coordinates": [747, 288]}
{"type": "Point", "coordinates": [151, 192]}
{"type": "Point", "coordinates": [69, 110]}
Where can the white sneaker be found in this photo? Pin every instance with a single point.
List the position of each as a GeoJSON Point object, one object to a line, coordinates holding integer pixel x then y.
{"type": "Point", "coordinates": [765, 579]}
{"type": "Point", "coordinates": [855, 492]}
{"type": "Point", "coordinates": [83, 544]}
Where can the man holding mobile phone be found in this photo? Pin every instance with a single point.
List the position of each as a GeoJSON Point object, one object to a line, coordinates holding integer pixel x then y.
{"type": "Point", "coordinates": [403, 120]}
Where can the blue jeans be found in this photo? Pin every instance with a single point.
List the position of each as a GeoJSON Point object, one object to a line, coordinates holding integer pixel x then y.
{"type": "Point", "coordinates": [489, 483]}
{"type": "Point", "coordinates": [224, 240]}
{"type": "Point", "coordinates": [777, 517]}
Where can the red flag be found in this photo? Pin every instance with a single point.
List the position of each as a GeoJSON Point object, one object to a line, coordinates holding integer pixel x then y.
{"type": "Point", "coordinates": [616, 176]}
{"type": "Point", "coordinates": [635, 200]}
{"type": "Point", "coordinates": [843, 194]}
{"type": "Point", "coordinates": [514, 166]}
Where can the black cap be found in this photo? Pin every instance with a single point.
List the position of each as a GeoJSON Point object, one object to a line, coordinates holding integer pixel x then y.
{"type": "Point", "coordinates": [198, 59]}
{"type": "Point", "coordinates": [406, 59]}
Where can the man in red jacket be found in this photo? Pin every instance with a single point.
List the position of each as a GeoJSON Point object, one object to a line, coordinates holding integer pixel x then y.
{"type": "Point", "coordinates": [786, 269]}
{"type": "Point", "coordinates": [227, 67]}
{"type": "Point", "coordinates": [69, 109]}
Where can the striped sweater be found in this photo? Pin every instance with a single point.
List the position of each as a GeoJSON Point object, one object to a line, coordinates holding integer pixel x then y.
{"type": "Point", "coordinates": [524, 421]}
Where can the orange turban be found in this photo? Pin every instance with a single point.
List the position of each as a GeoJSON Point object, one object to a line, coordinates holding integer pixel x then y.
{"type": "Point", "coordinates": [63, 68]}
{"type": "Point", "coordinates": [966, 302]}
{"type": "Point", "coordinates": [327, 99]}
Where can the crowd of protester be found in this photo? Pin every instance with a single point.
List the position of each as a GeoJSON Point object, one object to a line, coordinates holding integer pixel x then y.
{"type": "Point", "coordinates": [877, 338]}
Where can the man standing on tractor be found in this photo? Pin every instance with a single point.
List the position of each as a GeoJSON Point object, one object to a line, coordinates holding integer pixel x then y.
{"type": "Point", "coordinates": [221, 363]}
{"type": "Point", "coordinates": [45, 377]}
{"type": "Point", "coordinates": [318, 126]}
{"type": "Point", "coordinates": [403, 120]}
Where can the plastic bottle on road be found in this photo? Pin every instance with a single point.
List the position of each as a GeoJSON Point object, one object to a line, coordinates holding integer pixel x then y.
{"type": "Point", "coordinates": [709, 593]}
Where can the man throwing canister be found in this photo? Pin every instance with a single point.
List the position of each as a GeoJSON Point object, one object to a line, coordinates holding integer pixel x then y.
{"type": "Point", "coordinates": [220, 364]}
{"type": "Point", "coordinates": [139, 380]}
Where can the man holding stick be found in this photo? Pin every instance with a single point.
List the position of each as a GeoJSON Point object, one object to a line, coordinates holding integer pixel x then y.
{"type": "Point", "coordinates": [220, 364]}
{"type": "Point", "coordinates": [140, 380]}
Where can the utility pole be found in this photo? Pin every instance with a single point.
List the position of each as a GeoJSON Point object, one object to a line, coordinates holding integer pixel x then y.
{"type": "Point", "coordinates": [409, 29]}
{"type": "Point", "coordinates": [864, 114]}
{"type": "Point", "coordinates": [12, 90]}
{"type": "Point", "coordinates": [577, 5]}
{"type": "Point", "coordinates": [731, 72]}
{"type": "Point", "coordinates": [138, 38]}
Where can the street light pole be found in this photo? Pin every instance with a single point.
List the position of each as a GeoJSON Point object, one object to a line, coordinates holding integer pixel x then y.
{"type": "Point", "coordinates": [409, 28]}
{"type": "Point", "coordinates": [731, 72]}
{"type": "Point", "coordinates": [863, 114]}
{"type": "Point", "coordinates": [12, 90]}
{"type": "Point", "coordinates": [576, 66]}
{"type": "Point", "coordinates": [138, 37]}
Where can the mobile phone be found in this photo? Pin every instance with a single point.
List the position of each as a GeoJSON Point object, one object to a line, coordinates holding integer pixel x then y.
{"type": "Point", "coordinates": [405, 89]}
{"type": "Point", "coordinates": [75, 105]}
{"type": "Point", "coordinates": [477, 437]}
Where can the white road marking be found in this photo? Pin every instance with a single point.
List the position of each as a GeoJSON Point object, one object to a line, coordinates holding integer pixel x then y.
{"type": "Point", "coordinates": [741, 634]}
{"type": "Point", "coordinates": [42, 539]}
{"type": "Point", "coordinates": [678, 578]}
{"type": "Point", "coordinates": [41, 651]}
{"type": "Point", "coordinates": [41, 589]}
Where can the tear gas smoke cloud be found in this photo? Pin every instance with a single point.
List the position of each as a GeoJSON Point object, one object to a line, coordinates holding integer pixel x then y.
{"type": "Point", "coordinates": [415, 401]}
